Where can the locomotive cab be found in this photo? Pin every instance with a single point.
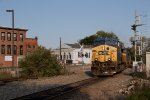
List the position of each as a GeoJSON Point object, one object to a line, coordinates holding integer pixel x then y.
{"type": "Point", "coordinates": [104, 58]}
{"type": "Point", "coordinates": [107, 57]}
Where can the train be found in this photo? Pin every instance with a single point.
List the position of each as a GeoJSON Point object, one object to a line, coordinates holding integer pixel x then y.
{"type": "Point", "coordinates": [109, 57]}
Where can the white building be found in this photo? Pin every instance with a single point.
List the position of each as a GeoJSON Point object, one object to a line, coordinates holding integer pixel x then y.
{"type": "Point", "coordinates": [74, 53]}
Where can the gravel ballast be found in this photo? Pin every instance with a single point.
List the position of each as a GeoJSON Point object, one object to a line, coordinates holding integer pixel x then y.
{"type": "Point", "coordinates": [19, 88]}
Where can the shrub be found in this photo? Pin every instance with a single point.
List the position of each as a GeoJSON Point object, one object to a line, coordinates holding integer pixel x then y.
{"type": "Point", "coordinates": [140, 94]}
{"type": "Point", "coordinates": [40, 63]}
{"type": "Point", "coordinates": [5, 75]}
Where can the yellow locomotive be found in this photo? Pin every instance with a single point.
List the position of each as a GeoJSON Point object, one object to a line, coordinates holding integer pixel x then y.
{"type": "Point", "coordinates": [108, 57]}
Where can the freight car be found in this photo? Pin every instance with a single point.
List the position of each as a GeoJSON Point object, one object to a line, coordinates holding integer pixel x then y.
{"type": "Point", "coordinates": [108, 57]}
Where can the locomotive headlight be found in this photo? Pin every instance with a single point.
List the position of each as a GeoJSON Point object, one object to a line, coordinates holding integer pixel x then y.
{"type": "Point", "coordinates": [109, 59]}
{"type": "Point", "coordinates": [96, 59]}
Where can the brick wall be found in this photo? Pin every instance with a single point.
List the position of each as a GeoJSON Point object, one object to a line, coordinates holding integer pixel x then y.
{"type": "Point", "coordinates": [19, 42]}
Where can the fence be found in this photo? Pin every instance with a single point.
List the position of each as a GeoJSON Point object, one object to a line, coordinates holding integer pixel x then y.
{"type": "Point", "coordinates": [14, 71]}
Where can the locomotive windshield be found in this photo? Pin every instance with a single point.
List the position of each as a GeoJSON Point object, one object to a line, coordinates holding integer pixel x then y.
{"type": "Point", "coordinates": [108, 41]}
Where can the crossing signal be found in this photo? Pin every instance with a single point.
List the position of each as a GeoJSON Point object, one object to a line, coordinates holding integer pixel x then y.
{"type": "Point", "coordinates": [82, 55]}
{"type": "Point", "coordinates": [86, 55]}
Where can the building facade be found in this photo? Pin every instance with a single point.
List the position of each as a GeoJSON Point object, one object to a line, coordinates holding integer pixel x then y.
{"type": "Point", "coordinates": [20, 45]}
{"type": "Point", "coordinates": [74, 53]}
{"type": "Point", "coordinates": [31, 44]}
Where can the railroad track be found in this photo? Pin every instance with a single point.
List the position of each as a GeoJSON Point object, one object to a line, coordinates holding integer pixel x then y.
{"type": "Point", "coordinates": [55, 92]}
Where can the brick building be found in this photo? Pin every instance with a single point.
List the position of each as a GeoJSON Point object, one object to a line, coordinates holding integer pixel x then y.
{"type": "Point", "coordinates": [21, 44]}
{"type": "Point", "coordinates": [31, 44]}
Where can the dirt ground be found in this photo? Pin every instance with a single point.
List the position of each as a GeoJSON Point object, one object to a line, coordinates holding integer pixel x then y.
{"type": "Point", "coordinates": [107, 89]}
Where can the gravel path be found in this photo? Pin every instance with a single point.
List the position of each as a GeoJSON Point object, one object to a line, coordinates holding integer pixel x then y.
{"type": "Point", "coordinates": [19, 88]}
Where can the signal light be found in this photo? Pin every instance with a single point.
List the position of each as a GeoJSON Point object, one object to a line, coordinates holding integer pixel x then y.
{"type": "Point", "coordinates": [133, 27]}
{"type": "Point", "coordinates": [133, 43]}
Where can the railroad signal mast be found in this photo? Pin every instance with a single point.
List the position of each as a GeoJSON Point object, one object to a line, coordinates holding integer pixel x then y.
{"type": "Point", "coordinates": [134, 28]}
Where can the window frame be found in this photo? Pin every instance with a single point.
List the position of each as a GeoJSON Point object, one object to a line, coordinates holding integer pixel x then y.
{"type": "Point", "coordinates": [3, 36]}
{"type": "Point", "coordinates": [8, 38]}
{"type": "Point", "coordinates": [21, 49]}
{"type": "Point", "coordinates": [21, 37]}
{"type": "Point", "coordinates": [8, 49]}
{"type": "Point", "coordinates": [2, 49]}
{"type": "Point", "coordinates": [15, 36]}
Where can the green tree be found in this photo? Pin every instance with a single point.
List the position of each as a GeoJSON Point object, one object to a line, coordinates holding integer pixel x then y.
{"type": "Point", "coordinates": [130, 52]}
{"type": "Point", "coordinates": [40, 63]}
{"type": "Point", "coordinates": [106, 34]}
{"type": "Point", "coordinates": [88, 40]}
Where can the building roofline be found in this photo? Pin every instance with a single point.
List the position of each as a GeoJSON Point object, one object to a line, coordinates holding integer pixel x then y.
{"type": "Point", "coordinates": [1, 27]}
{"type": "Point", "coordinates": [30, 38]}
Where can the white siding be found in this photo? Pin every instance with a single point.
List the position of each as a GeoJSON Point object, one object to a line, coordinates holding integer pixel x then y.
{"type": "Point", "coordinates": [86, 60]}
{"type": "Point", "coordinates": [74, 54]}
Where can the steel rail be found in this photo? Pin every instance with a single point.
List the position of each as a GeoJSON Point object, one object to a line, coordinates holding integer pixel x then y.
{"type": "Point", "coordinates": [57, 91]}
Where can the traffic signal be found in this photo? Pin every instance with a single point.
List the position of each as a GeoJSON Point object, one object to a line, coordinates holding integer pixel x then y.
{"type": "Point", "coordinates": [133, 42]}
{"type": "Point", "coordinates": [133, 27]}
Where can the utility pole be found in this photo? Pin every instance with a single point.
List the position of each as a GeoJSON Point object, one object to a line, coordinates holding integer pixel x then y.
{"type": "Point", "coordinates": [134, 27]}
{"type": "Point", "coordinates": [141, 39]}
{"type": "Point", "coordinates": [137, 39]}
{"type": "Point", "coordinates": [12, 12]}
{"type": "Point", "coordinates": [60, 50]}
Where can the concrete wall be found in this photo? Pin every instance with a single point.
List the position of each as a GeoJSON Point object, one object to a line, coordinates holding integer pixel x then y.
{"type": "Point", "coordinates": [148, 64]}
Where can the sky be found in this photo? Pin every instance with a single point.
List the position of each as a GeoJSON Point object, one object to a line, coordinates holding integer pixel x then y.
{"type": "Point", "coordinates": [73, 20]}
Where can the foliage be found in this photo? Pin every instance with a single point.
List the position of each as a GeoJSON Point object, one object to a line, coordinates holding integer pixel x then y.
{"type": "Point", "coordinates": [140, 94]}
{"type": "Point", "coordinates": [90, 39]}
{"type": "Point", "coordinates": [130, 52]}
{"type": "Point", "coordinates": [40, 63]}
{"type": "Point", "coordinates": [106, 34]}
{"type": "Point", "coordinates": [148, 50]}
{"type": "Point", "coordinates": [5, 75]}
